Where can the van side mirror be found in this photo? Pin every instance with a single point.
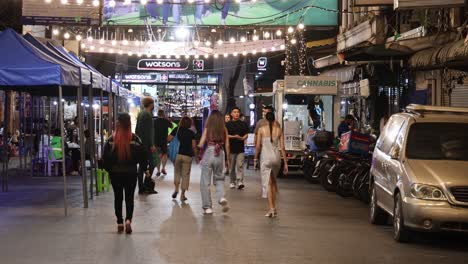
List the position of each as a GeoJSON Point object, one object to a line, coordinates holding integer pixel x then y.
{"type": "Point", "coordinates": [395, 152]}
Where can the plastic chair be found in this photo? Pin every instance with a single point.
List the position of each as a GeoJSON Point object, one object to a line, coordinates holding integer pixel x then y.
{"type": "Point", "coordinates": [51, 160]}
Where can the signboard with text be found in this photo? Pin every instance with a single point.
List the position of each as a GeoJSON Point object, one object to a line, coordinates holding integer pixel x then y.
{"type": "Point", "coordinates": [162, 65]}
{"type": "Point", "coordinates": [311, 85]}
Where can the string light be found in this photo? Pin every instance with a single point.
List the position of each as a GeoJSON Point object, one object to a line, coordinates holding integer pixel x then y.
{"type": "Point", "coordinates": [79, 2]}
{"type": "Point", "coordinates": [216, 55]}
{"type": "Point", "coordinates": [139, 54]}
{"type": "Point", "coordinates": [267, 35]}
{"type": "Point", "coordinates": [235, 54]}
{"type": "Point", "coordinates": [220, 42]}
{"type": "Point", "coordinates": [290, 30]}
{"type": "Point", "coordinates": [64, 2]}
{"type": "Point", "coordinates": [90, 39]}
{"type": "Point", "coordinates": [282, 46]}
{"type": "Point", "coordinates": [96, 3]}
{"type": "Point", "coordinates": [120, 52]}
{"type": "Point", "coordinates": [301, 26]}
{"type": "Point", "coordinates": [264, 50]}
{"type": "Point", "coordinates": [137, 43]}
{"type": "Point", "coordinates": [111, 51]}
{"type": "Point", "coordinates": [254, 52]}
{"type": "Point", "coordinates": [92, 48]}
{"type": "Point", "coordinates": [55, 32]}
{"type": "Point", "coordinates": [207, 55]}
{"type": "Point", "coordinates": [143, 2]}
{"type": "Point", "coordinates": [78, 37]}
{"type": "Point", "coordinates": [83, 46]}
{"type": "Point", "coordinates": [273, 48]}
{"type": "Point", "coordinates": [197, 56]}
{"type": "Point", "coordinates": [125, 42]}
{"type": "Point", "coordinates": [225, 55]}
{"type": "Point", "coordinates": [130, 53]}
{"type": "Point", "coordinates": [293, 41]}
{"type": "Point", "coordinates": [177, 56]}
{"type": "Point", "coordinates": [232, 40]}
{"type": "Point", "coordinates": [244, 53]}
{"type": "Point", "coordinates": [66, 35]}
{"type": "Point", "coordinates": [48, 1]}
{"type": "Point", "coordinates": [243, 39]}
{"type": "Point", "coordinates": [279, 33]}
{"type": "Point", "coordinates": [101, 49]}
{"type": "Point", "coordinates": [191, 1]}
{"type": "Point", "coordinates": [113, 43]}
{"type": "Point", "coordinates": [255, 38]}
{"type": "Point", "coordinates": [127, 2]}
{"type": "Point", "coordinates": [112, 3]}
{"type": "Point", "coordinates": [159, 1]}
{"type": "Point", "coordinates": [208, 43]}
{"type": "Point", "coordinates": [102, 41]}
{"type": "Point", "coordinates": [196, 43]}
{"type": "Point", "coordinates": [207, 1]}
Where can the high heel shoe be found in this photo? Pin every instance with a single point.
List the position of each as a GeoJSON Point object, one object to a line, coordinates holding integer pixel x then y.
{"type": "Point", "coordinates": [120, 228]}
{"type": "Point", "coordinates": [128, 227]}
{"type": "Point", "coordinates": [271, 213]}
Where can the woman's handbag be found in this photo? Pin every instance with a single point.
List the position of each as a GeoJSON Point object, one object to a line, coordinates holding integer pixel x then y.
{"type": "Point", "coordinates": [174, 147]}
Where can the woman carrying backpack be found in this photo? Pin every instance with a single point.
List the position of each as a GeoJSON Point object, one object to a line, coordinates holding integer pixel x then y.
{"type": "Point", "coordinates": [122, 152]}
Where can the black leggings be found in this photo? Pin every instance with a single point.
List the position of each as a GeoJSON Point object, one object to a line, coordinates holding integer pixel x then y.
{"type": "Point", "coordinates": [123, 183]}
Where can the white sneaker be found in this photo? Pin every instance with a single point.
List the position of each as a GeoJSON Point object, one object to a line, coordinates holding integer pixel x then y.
{"type": "Point", "coordinates": [208, 211]}
{"type": "Point", "coordinates": [224, 203]}
{"type": "Point", "coordinates": [232, 185]}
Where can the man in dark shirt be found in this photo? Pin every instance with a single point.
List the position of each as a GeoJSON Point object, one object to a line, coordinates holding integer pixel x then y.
{"type": "Point", "coordinates": [238, 133]}
{"type": "Point", "coordinates": [161, 131]}
{"type": "Point", "coordinates": [345, 125]}
{"type": "Point", "coordinates": [145, 131]}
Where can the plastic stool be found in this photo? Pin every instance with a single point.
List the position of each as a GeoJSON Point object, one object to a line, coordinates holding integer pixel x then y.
{"type": "Point", "coordinates": [99, 180]}
{"type": "Point", "coordinates": [106, 180]}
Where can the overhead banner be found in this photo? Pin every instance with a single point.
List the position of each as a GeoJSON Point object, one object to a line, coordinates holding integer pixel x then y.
{"type": "Point", "coordinates": [39, 12]}
{"type": "Point", "coordinates": [310, 85]}
{"type": "Point", "coordinates": [223, 12]}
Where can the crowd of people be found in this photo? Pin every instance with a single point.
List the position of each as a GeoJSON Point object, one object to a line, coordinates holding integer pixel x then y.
{"type": "Point", "coordinates": [131, 158]}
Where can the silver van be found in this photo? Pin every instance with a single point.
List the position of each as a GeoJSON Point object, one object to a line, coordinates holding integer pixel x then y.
{"type": "Point", "coordinates": [419, 173]}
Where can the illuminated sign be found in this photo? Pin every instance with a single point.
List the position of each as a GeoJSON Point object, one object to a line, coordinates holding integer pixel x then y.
{"type": "Point", "coordinates": [262, 63]}
{"type": "Point", "coordinates": [162, 65]}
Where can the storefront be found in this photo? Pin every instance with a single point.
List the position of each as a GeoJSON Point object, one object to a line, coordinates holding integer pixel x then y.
{"type": "Point", "coordinates": [179, 87]}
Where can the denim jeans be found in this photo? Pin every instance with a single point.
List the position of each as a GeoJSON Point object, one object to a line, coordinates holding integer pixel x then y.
{"type": "Point", "coordinates": [237, 168]}
{"type": "Point", "coordinates": [176, 11]}
{"type": "Point", "coordinates": [212, 169]}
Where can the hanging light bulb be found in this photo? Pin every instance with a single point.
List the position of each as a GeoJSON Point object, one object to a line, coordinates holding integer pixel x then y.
{"type": "Point", "coordinates": [191, 1]}
{"type": "Point", "coordinates": [83, 46]}
{"type": "Point", "coordinates": [177, 56]}
{"type": "Point", "coordinates": [90, 39]}
{"type": "Point", "coordinates": [102, 41]}
{"type": "Point", "coordinates": [273, 48]}
{"type": "Point", "coordinates": [92, 48]}
{"type": "Point", "coordinates": [112, 3]}
{"type": "Point", "coordinates": [114, 42]}
{"type": "Point", "coordinates": [137, 43]}
{"type": "Point", "coordinates": [79, 2]}
{"type": "Point", "coordinates": [301, 26]}
{"type": "Point", "coordinates": [48, 1]}
{"type": "Point", "coordinates": [279, 33]}
{"type": "Point", "coordinates": [158, 56]}
{"type": "Point", "coordinates": [243, 39]}
{"type": "Point", "coordinates": [255, 37]}
{"type": "Point", "coordinates": [148, 55]}
{"type": "Point", "coordinates": [235, 54]}
{"type": "Point", "coordinates": [282, 46]}
{"type": "Point", "coordinates": [208, 43]}
{"type": "Point", "coordinates": [263, 50]}
{"type": "Point", "coordinates": [78, 37]}
{"type": "Point", "coordinates": [216, 55]}
{"type": "Point", "coordinates": [64, 2]}
{"type": "Point", "coordinates": [225, 55]}
{"type": "Point", "coordinates": [207, 1]}
{"type": "Point", "coordinates": [139, 54]}
{"type": "Point", "coordinates": [66, 35]}
{"type": "Point", "coordinates": [111, 51]}
{"type": "Point", "coordinates": [207, 55]}
{"type": "Point", "coordinates": [120, 52]}
{"type": "Point", "coordinates": [96, 3]}
{"type": "Point", "coordinates": [196, 43]}
{"type": "Point", "coordinates": [159, 1]}
{"type": "Point", "coordinates": [127, 2]}
{"type": "Point", "coordinates": [125, 42]}
{"type": "Point", "coordinates": [290, 30]}
{"type": "Point", "coordinates": [101, 49]}
{"type": "Point", "coordinates": [293, 41]}
{"type": "Point", "coordinates": [254, 52]}
{"type": "Point", "coordinates": [55, 32]}
{"type": "Point", "coordinates": [267, 35]}
{"type": "Point", "coordinates": [220, 42]}
{"type": "Point", "coordinates": [244, 53]}
{"type": "Point", "coordinates": [143, 2]}
{"type": "Point", "coordinates": [130, 53]}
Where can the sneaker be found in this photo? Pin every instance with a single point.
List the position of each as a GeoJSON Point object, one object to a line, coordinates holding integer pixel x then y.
{"type": "Point", "coordinates": [232, 185]}
{"type": "Point", "coordinates": [163, 171]}
{"type": "Point", "coordinates": [158, 174]}
{"type": "Point", "coordinates": [174, 195]}
{"type": "Point", "coordinates": [241, 186]}
{"type": "Point", "coordinates": [208, 211]}
{"type": "Point", "coordinates": [224, 203]}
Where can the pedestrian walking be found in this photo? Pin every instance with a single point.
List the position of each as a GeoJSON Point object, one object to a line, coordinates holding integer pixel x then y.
{"type": "Point", "coordinates": [238, 132]}
{"type": "Point", "coordinates": [270, 142]}
{"type": "Point", "coordinates": [145, 131]}
{"type": "Point", "coordinates": [122, 152]}
{"type": "Point", "coordinates": [184, 158]}
{"type": "Point", "coordinates": [161, 128]}
{"type": "Point", "coordinates": [215, 136]}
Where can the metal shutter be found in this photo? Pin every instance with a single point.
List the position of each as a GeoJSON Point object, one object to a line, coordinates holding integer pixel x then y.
{"type": "Point", "coordinates": [459, 96]}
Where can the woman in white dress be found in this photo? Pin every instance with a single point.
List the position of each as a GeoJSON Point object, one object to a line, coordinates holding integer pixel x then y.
{"type": "Point", "coordinates": [270, 143]}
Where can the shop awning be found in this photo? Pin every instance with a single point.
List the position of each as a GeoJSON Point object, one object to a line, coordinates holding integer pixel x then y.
{"type": "Point", "coordinates": [344, 74]}
{"type": "Point", "coordinates": [22, 64]}
{"type": "Point", "coordinates": [321, 43]}
{"type": "Point", "coordinates": [454, 54]}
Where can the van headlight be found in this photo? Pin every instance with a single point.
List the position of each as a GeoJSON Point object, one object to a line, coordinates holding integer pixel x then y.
{"type": "Point", "coordinates": [427, 192]}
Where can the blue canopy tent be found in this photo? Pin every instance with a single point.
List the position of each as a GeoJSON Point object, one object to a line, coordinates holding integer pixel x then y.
{"type": "Point", "coordinates": [26, 68]}
{"type": "Point", "coordinates": [87, 79]}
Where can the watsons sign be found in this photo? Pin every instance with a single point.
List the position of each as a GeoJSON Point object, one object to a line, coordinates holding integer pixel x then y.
{"type": "Point", "coordinates": [162, 65]}
{"type": "Point", "coordinates": [310, 85]}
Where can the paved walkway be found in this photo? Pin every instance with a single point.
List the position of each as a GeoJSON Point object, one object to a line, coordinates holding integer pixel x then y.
{"type": "Point", "coordinates": [313, 227]}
